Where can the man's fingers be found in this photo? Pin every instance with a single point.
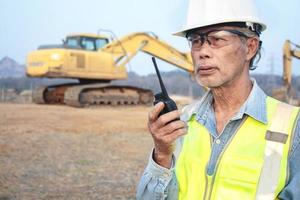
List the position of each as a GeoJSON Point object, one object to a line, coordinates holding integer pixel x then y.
{"type": "Point", "coordinates": [164, 125]}
{"type": "Point", "coordinates": [153, 114]}
{"type": "Point", "coordinates": [170, 129]}
{"type": "Point", "coordinates": [170, 138]}
{"type": "Point", "coordinates": [173, 126]}
{"type": "Point", "coordinates": [166, 118]}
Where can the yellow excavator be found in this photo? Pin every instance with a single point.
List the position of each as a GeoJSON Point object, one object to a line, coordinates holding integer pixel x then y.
{"type": "Point", "coordinates": [287, 93]}
{"type": "Point", "coordinates": [95, 60]}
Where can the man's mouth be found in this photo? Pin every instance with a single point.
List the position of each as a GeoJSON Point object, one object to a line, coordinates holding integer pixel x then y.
{"type": "Point", "coordinates": [206, 70]}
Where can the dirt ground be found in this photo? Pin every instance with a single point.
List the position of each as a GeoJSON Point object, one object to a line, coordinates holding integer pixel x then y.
{"type": "Point", "coordinates": [60, 152]}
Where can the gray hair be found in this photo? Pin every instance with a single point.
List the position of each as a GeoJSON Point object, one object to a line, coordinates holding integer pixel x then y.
{"type": "Point", "coordinates": [255, 59]}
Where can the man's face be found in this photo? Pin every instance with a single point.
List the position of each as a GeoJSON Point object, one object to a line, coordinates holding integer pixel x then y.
{"type": "Point", "coordinates": [222, 61]}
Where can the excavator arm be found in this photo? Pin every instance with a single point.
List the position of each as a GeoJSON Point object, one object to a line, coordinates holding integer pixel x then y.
{"type": "Point", "coordinates": [128, 46]}
{"type": "Point", "coordinates": [288, 54]}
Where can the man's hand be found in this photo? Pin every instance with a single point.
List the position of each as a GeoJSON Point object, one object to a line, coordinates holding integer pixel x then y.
{"type": "Point", "coordinates": [164, 132]}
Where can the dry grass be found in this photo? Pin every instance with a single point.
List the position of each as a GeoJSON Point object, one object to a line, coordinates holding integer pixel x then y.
{"type": "Point", "coordinates": [59, 152]}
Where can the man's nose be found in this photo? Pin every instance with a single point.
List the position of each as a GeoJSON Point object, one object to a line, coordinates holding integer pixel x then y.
{"type": "Point", "coordinates": [204, 51]}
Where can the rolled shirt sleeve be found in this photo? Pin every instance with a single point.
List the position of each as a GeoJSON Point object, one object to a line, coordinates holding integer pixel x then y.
{"type": "Point", "coordinates": [155, 180]}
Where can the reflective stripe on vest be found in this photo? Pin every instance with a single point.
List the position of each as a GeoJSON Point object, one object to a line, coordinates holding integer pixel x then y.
{"type": "Point", "coordinates": [276, 138]}
{"type": "Point", "coordinates": [239, 171]}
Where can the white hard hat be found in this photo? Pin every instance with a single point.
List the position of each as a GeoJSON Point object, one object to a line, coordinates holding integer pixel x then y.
{"type": "Point", "coordinates": [202, 13]}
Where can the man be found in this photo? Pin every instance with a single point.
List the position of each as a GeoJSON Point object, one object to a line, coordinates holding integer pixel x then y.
{"type": "Point", "coordinates": [236, 142]}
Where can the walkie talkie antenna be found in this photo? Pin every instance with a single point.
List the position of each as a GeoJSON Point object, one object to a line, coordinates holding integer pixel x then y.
{"type": "Point", "coordinates": [162, 86]}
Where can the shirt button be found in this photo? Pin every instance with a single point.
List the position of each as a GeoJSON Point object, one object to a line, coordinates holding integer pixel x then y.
{"type": "Point", "coordinates": [218, 141]}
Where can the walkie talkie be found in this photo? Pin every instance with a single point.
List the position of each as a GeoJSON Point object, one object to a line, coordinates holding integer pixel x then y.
{"type": "Point", "coordinates": [163, 96]}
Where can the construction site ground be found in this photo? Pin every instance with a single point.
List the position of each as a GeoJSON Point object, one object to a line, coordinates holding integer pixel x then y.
{"type": "Point", "coordinates": [60, 152]}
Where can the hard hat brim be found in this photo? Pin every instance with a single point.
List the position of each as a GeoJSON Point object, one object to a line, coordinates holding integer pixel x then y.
{"type": "Point", "coordinates": [185, 30]}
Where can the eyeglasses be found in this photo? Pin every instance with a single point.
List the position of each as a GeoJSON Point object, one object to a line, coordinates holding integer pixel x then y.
{"type": "Point", "coordinates": [215, 38]}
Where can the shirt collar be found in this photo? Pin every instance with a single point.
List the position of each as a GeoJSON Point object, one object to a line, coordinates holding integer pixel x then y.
{"type": "Point", "coordinates": [254, 106]}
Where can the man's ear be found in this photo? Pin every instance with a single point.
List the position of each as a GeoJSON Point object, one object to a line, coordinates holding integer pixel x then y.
{"type": "Point", "coordinates": [252, 47]}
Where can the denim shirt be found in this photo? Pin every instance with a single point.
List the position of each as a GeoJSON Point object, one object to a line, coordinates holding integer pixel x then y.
{"type": "Point", "coordinates": [159, 183]}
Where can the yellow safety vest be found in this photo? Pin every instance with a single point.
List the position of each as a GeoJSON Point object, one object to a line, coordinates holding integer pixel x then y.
{"type": "Point", "coordinates": [253, 165]}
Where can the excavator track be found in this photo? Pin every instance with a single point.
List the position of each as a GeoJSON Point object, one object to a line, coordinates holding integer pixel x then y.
{"type": "Point", "coordinates": [105, 94]}
{"type": "Point", "coordinates": [53, 94]}
{"type": "Point", "coordinates": [38, 95]}
{"type": "Point", "coordinates": [78, 95]}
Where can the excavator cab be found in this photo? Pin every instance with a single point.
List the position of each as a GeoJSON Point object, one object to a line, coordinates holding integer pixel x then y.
{"type": "Point", "coordinates": [85, 42]}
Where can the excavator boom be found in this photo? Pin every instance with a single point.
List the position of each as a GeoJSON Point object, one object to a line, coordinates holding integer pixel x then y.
{"type": "Point", "coordinates": [288, 54]}
{"type": "Point", "coordinates": [286, 92]}
{"type": "Point", "coordinates": [130, 45]}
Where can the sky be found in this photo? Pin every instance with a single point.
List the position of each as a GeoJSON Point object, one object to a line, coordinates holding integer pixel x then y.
{"type": "Point", "coordinates": [26, 24]}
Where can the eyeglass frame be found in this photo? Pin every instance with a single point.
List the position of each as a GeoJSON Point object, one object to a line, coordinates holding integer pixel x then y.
{"type": "Point", "coordinates": [204, 36]}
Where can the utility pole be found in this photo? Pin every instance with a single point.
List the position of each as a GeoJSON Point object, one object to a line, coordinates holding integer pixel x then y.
{"type": "Point", "coordinates": [191, 95]}
{"type": "Point", "coordinates": [271, 79]}
{"type": "Point", "coordinates": [2, 94]}
{"type": "Point", "coordinates": [31, 92]}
